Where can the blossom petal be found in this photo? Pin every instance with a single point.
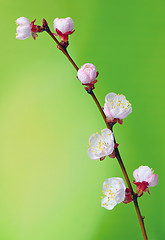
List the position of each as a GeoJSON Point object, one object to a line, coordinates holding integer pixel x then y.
{"type": "Point", "coordinates": [23, 32]}
{"type": "Point", "coordinates": [153, 180]}
{"type": "Point", "coordinates": [110, 96]}
{"type": "Point", "coordinates": [71, 23]}
{"type": "Point", "coordinates": [107, 136]}
{"type": "Point", "coordinates": [125, 113]}
{"type": "Point", "coordinates": [144, 173]}
{"type": "Point", "coordinates": [107, 110]}
{"type": "Point", "coordinates": [120, 195]}
{"type": "Point", "coordinates": [135, 174]}
{"type": "Point", "coordinates": [95, 151]}
{"type": "Point", "coordinates": [83, 77]}
{"type": "Point", "coordinates": [115, 184]}
{"type": "Point", "coordinates": [108, 139]}
{"type": "Point", "coordinates": [94, 139]}
{"type": "Point", "coordinates": [108, 203]}
{"type": "Point", "coordinates": [22, 21]}
{"type": "Point", "coordinates": [92, 154]}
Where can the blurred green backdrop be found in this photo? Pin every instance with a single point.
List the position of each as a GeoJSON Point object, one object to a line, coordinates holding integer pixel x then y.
{"type": "Point", "coordinates": [50, 189]}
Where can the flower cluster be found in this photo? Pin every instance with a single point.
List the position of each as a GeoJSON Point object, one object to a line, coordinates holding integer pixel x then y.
{"type": "Point", "coordinates": [115, 191]}
{"type": "Point", "coordinates": [63, 28]}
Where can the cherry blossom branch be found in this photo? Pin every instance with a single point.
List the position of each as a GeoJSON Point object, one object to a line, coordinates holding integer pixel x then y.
{"type": "Point", "coordinates": [109, 126]}
{"type": "Point", "coordinates": [141, 219]}
{"type": "Point", "coordinates": [100, 109]}
{"type": "Point", "coordinates": [117, 155]}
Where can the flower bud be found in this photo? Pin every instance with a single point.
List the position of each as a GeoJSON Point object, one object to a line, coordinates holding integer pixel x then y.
{"type": "Point", "coordinates": [27, 29]}
{"type": "Point", "coordinates": [64, 27]}
{"type": "Point", "coordinates": [87, 74]}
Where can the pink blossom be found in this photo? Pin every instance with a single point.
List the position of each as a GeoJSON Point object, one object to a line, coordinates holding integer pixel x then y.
{"type": "Point", "coordinates": [87, 74]}
{"type": "Point", "coordinates": [144, 178]}
{"type": "Point", "coordinates": [116, 107]}
{"type": "Point", "coordinates": [101, 145]}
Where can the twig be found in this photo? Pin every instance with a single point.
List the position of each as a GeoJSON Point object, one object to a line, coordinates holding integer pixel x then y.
{"type": "Point", "coordinates": [117, 154]}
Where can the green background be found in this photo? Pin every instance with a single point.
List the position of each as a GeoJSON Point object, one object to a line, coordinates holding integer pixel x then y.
{"type": "Point", "coordinates": [49, 187]}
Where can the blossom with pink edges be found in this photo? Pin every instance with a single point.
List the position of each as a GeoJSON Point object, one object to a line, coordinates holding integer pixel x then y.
{"type": "Point", "coordinates": [113, 191]}
{"type": "Point", "coordinates": [116, 107]}
{"type": "Point", "coordinates": [64, 27]}
{"type": "Point", "coordinates": [144, 178]}
{"type": "Point", "coordinates": [101, 145]}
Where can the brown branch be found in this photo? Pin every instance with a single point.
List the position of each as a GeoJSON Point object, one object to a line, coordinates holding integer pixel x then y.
{"type": "Point", "coordinates": [63, 50]}
{"type": "Point", "coordinates": [117, 154]}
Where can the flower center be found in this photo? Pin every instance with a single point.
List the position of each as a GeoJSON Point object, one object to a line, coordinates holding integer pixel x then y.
{"type": "Point", "coordinates": [111, 194]}
{"type": "Point", "coordinates": [119, 101]}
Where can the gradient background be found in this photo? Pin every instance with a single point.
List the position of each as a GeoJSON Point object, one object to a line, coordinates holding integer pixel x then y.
{"type": "Point", "coordinates": [49, 187]}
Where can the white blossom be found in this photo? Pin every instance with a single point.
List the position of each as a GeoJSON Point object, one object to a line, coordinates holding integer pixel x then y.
{"type": "Point", "coordinates": [101, 145]}
{"type": "Point", "coordinates": [116, 106]}
{"type": "Point", "coordinates": [24, 30]}
{"type": "Point", "coordinates": [114, 192]}
{"type": "Point", "coordinates": [64, 25]}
